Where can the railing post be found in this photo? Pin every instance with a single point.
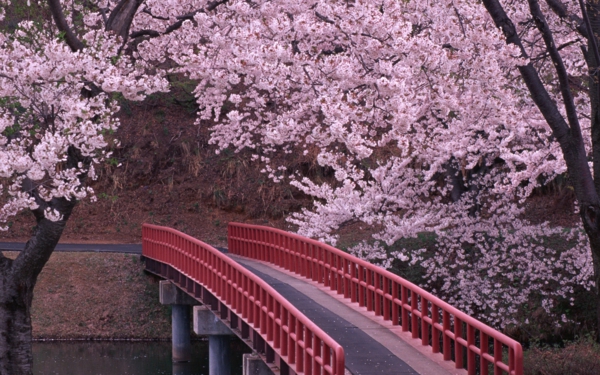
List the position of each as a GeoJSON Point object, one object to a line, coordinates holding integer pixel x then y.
{"type": "Point", "coordinates": [470, 353]}
{"type": "Point", "coordinates": [424, 324]}
{"type": "Point", "coordinates": [414, 328]}
{"type": "Point", "coordinates": [395, 312]}
{"type": "Point", "coordinates": [484, 346]}
{"type": "Point", "coordinates": [435, 332]}
{"type": "Point", "coordinates": [497, 357]}
{"type": "Point", "coordinates": [458, 349]}
{"type": "Point", "coordinates": [445, 338]}
{"type": "Point", "coordinates": [376, 296]}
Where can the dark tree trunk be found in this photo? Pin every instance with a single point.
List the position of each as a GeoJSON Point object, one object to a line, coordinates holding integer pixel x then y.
{"type": "Point", "coordinates": [591, 214]}
{"type": "Point", "coordinates": [18, 277]}
{"type": "Point", "coordinates": [17, 280]}
{"type": "Point", "coordinates": [567, 130]}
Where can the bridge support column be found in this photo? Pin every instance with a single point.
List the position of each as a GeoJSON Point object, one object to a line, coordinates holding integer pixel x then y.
{"type": "Point", "coordinates": [254, 365]}
{"type": "Point", "coordinates": [180, 303]}
{"type": "Point", "coordinates": [219, 335]}
{"type": "Point", "coordinates": [180, 328]}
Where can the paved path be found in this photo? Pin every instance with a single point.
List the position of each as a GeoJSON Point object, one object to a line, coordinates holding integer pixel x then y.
{"type": "Point", "coordinates": [371, 347]}
{"type": "Point", "coordinates": [96, 248]}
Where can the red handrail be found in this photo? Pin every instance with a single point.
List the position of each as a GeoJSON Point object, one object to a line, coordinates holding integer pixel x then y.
{"type": "Point", "coordinates": [298, 340]}
{"type": "Point", "coordinates": [388, 295]}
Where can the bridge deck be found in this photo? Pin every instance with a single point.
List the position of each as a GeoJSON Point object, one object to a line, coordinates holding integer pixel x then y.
{"type": "Point", "coordinates": [372, 347]}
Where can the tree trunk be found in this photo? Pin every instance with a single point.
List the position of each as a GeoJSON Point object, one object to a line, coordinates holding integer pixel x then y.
{"type": "Point", "coordinates": [17, 280]}
{"type": "Point", "coordinates": [15, 326]}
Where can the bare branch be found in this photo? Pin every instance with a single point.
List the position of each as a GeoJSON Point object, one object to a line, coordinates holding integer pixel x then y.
{"type": "Point", "coordinates": [323, 18]}
{"type": "Point", "coordinates": [180, 19]}
{"type": "Point", "coordinates": [559, 66]}
{"type": "Point", "coordinates": [561, 11]}
{"type": "Point", "coordinates": [572, 147]}
{"type": "Point", "coordinates": [63, 26]}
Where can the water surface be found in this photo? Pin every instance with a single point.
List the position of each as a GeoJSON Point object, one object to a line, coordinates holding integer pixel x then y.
{"type": "Point", "coordinates": [124, 358]}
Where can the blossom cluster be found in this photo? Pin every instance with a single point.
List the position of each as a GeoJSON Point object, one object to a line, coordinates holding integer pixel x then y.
{"type": "Point", "coordinates": [419, 110]}
{"type": "Point", "coordinates": [416, 106]}
{"type": "Point", "coordinates": [45, 113]}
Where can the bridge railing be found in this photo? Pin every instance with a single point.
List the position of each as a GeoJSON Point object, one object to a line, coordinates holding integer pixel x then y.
{"type": "Point", "coordinates": [439, 325]}
{"type": "Point", "coordinates": [302, 344]}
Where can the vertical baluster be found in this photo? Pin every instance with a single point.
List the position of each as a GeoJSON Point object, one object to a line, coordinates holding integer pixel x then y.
{"type": "Point", "coordinates": [376, 296]}
{"type": "Point", "coordinates": [304, 258]}
{"type": "Point", "coordinates": [424, 324]}
{"type": "Point", "coordinates": [276, 326]}
{"type": "Point", "coordinates": [361, 292]}
{"type": "Point", "coordinates": [291, 341]}
{"type": "Point", "coordinates": [297, 259]}
{"type": "Point", "coordinates": [331, 264]}
{"type": "Point", "coordinates": [386, 302]}
{"type": "Point", "coordinates": [284, 334]}
{"type": "Point", "coordinates": [317, 353]}
{"type": "Point", "coordinates": [260, 303]}
{"type": "Point", "coordinates": [395, 312]}
{"type": "Point", "coordinates": [414, 328]}
{"type": "Point", "coordinates": [327, 354]}
{"type": "Point", "coordinates": [458, 348]}
{"type": "Point", "coordinates": [483, 345]}
{"type": "Point", "coordinates": [404, 310]}
{"type": "Point", "coordinates": [435, 333]}
{"type": "Point", "coordinates": [511, 359]}
{"type": "Point", "coordinates": [308, 359]}
{"type": "Point", "coordinates": [497, 357]}
{"type": "Point", "coordinates": [273, 254]}
{"type": "Point", "coordinates": [353, 289]}
{"type": "Point", "coordinates": [245, 299]}
{"type": "Point", "coordinates": [299, 351]}
{"type": "Point", "coordinates": [470, 353]}
{"type": "Point", "coordinates": [445, 338]}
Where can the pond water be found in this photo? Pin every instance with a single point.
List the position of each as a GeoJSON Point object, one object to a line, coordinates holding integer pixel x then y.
{"type": "Point", "coordinates": [124, 358]}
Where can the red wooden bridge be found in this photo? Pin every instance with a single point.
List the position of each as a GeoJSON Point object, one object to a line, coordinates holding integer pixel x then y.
{"type": "Point", "coordinates": [248, 301]}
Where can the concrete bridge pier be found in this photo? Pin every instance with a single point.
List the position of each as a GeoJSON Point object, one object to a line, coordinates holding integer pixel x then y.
{"type": "Point", "coordinates": [219, 335]}
{"type": "Point", "coordinates": [180, 303]}
{"type": "Point", "coordinates": [254, 365]}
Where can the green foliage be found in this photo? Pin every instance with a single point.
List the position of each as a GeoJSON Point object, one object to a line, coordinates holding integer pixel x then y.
{"type": "Point", "coordinates": [114, 162]}
{"type": "Point", "coordinates": [112, 198]}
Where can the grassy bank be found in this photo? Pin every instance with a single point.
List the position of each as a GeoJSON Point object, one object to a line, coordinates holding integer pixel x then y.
{"type": "Point", "coordinates": [97, 296]}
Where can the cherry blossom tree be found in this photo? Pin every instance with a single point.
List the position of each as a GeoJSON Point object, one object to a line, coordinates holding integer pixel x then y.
{"type": "Point", "coordinates": [424, 115]}
{"type": "Point", "coordinates": [434, 117]}
{"type": "Point", "coordinates": [56, 111]}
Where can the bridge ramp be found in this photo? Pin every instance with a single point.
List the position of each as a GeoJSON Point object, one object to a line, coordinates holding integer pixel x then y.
{"type": "Point", "coordinates": [372, 346]}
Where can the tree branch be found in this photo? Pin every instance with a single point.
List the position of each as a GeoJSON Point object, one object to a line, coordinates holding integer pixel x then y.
{"type": "Point", "coordinates": [121, 17]}
{"type": "Point", "coordinates": [572, 147]}
{"type": "Point", "coordinates": [561, 11]}
{"type": "Point", "coordinates": [559, 66]}
{"type": "Point", "coordinates": [147, 11]}
{"type": "Point", "coordinates": [31, 260]}
{"type": "Point", "coordinates": [63, 26]}
{"type": "Point", "coordinates": [150, 33]}
{"type": "Point", "coordinates": [180, 19]}
{"type": "Point", "coordinates": [591, 37]}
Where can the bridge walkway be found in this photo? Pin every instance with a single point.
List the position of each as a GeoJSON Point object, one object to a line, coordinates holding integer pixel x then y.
{"type": "Point", "coordinates": [372, 346]}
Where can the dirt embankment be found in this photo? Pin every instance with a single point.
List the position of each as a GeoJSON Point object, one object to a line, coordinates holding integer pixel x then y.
{"type": "Point", "coordinates": [97, 296]}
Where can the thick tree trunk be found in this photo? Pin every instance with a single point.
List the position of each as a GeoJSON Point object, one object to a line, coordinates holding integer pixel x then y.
{"type": "Point", "coordinates": [18, 277]}
{"type": "Point", "coordinates": [15, 326]}
{"type": "Point", "coordinates": [595, 247]}
{"type": "Point", "coordinates": [17, 280]}
{"type": "Point", "coordinates": [567, 131]}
